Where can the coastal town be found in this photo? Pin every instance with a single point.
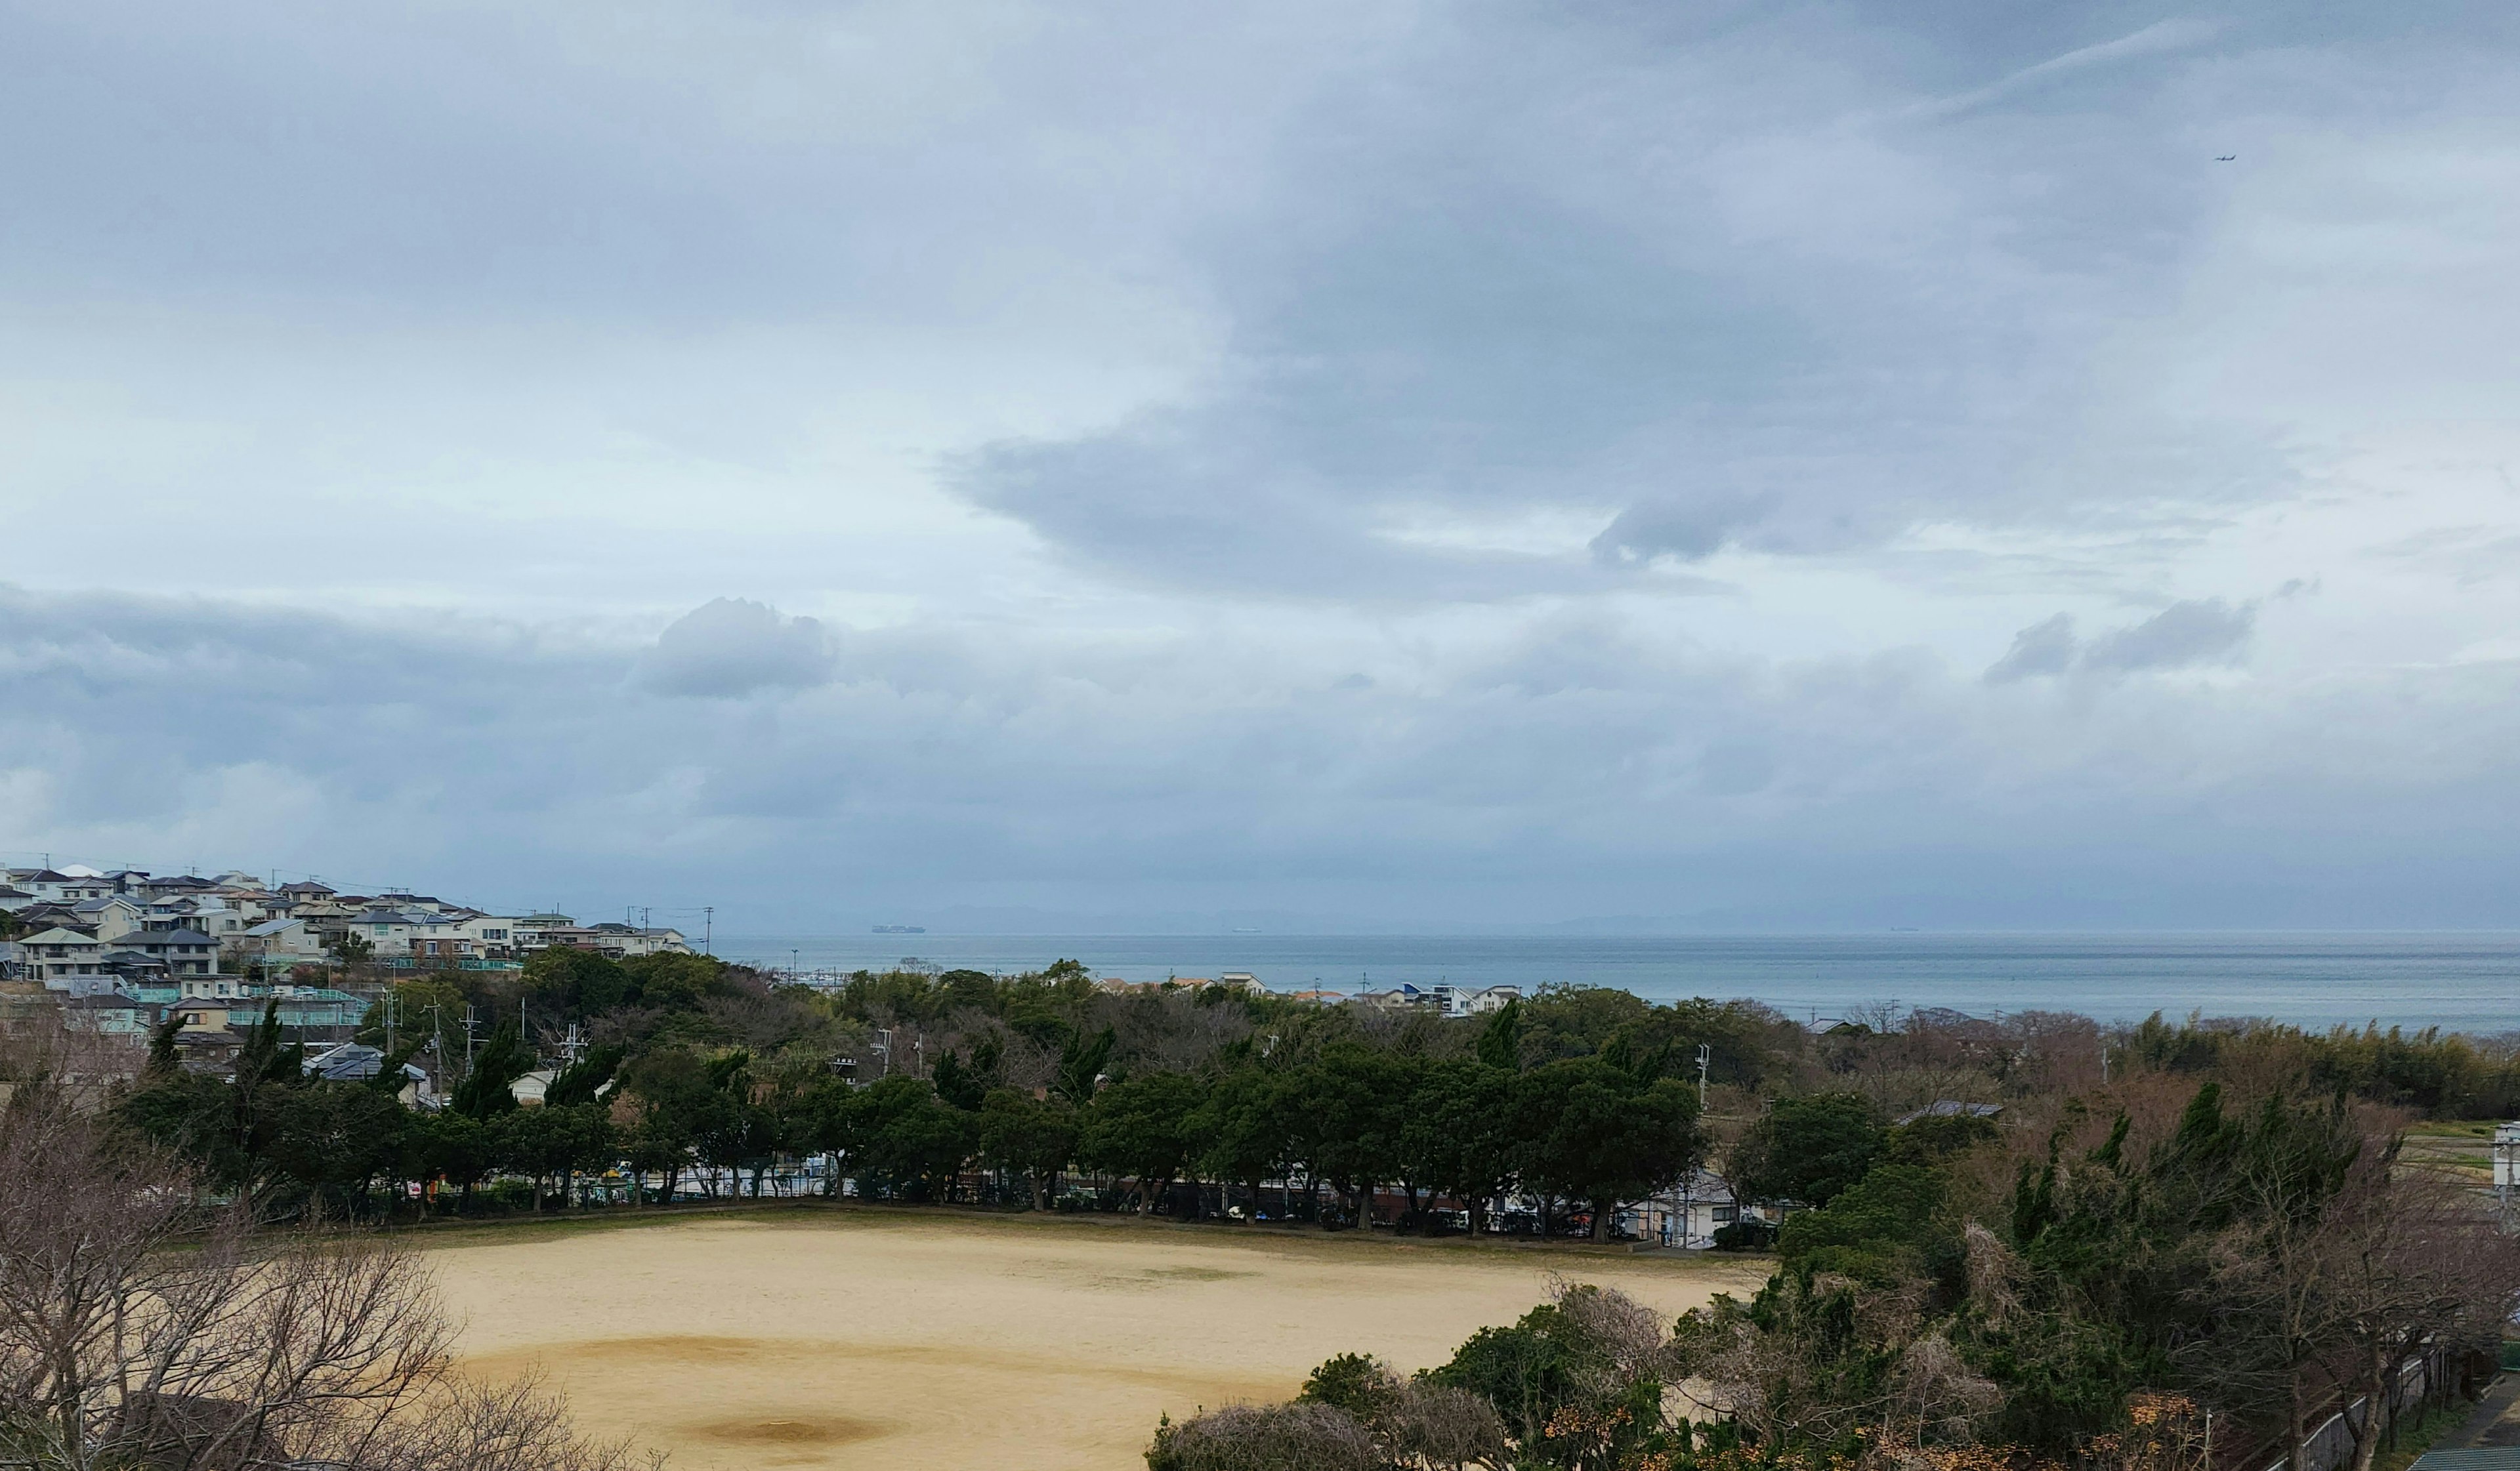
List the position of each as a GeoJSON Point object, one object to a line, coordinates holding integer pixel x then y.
{"type": "Point", "coordinates": [120, 952]}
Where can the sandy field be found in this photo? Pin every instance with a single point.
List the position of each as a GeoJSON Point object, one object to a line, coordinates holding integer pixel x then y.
{"type": "Point", "coordinates": [926, 1342]}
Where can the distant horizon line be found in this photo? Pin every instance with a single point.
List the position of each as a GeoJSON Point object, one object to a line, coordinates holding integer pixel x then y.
{"type": "Point", "coordinates": [1563, 929]}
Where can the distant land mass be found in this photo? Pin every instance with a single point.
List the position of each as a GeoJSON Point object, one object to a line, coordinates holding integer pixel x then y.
{"type": "Point", "coordinates": [901, 930]}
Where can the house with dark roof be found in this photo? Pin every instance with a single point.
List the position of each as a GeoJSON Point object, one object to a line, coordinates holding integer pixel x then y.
{"type": "Point", "coordinates": [111, 1014]}
{"type": "Point", "coordinates": [183, 952]}
{"type": "Point", "coordinates": [110, 918]}
{"type": "Point", "coordinates": [56, 955]}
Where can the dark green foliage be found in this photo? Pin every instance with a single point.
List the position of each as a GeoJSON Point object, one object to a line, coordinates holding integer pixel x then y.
{"type": "Point", "coordinates": [1595, 1133]}
{"type": "Point", "coordinates": [552, 1143]}
{"type": "Point", "coordinates": [1527, 1372]}
{"type": "Point", "coordinates": [1568, 1379]}
{"type": "Point", "coordinates": [1034, 1137]}
{"type": "Point", "coordinates": [576, 983]}
{"type": "Point", "coordinates": [1890, 1226]}
{"type": "Point", "coordinates": [1244, 1131]}
{"type": "Point", "coordinates": [1357, 1383]}
{"type": "Point", "coordinates": [1501, 1039]}
{"type": "Point", "coordinates": [1932, 1140]}
{"type": "Point", "coordinates": [1746, 1235]}
{"type": "Point", "coordinates": [965, 1083]}
{"type": "Point", "coordinates": [583, 1080]}
{"type": "Point", "coordinates": [270, 1132]}
{"type": "Point", "coordinates": [1807, 1149]}
{"type": "Point", "coordinates": [486, 1089]}
{"type": "Point", "coordinates": [1141, 1128]}
{"type": "Point", "coordinates": [1080, 1064]}
{"type": "Point", "coordinates": [904, 1140]}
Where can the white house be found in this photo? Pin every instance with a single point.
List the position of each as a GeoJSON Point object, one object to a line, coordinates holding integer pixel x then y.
{"type": "Point", "coordinates": [55, 956]}
{"type": "Point", "coordinates": [418, 933]}
{"type": "Point", "coordinates": [627, 940]}
{"type": "Point", "coordinates": [1688, 1214]}
{"type": "Point", "coordinates": [490, 934]}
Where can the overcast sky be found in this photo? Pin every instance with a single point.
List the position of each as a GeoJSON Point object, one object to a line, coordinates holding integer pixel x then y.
{"type": "Point", "coordinates": [1395, 464]}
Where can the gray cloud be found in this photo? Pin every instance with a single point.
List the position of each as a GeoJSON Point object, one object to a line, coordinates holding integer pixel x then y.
{"type": "Point", "coordinates": [2183, 635]}
{"type": "Point", "coordinates": [1581, 768]}
{"type": "Point", "coordinates": [2045, 647]}
{"type": "Point", "coordinates": [2201, 631]}
{"type": "Point", "coordinates": [731, 647]}
{"type": "Point", "coordinates": [1557, 266]}
{"type": "Point", "coordinates": [1685, 530]}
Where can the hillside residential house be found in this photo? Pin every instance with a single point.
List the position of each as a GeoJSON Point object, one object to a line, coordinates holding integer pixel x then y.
{"type": "Point", "coordinates": [304, 892]}
{"type": "Point", "coordinates": [356, 1062]}
{"type": "Point", "coordinates": [183, 951]}
{"type": "Point", "coordinates": [491, 935]}
{"type": "Point", "coordinates": [111, 1014]}
{"type": "Point", "coordinates": [532, 932]}
{"type": "Point", "coordinates": [278, 943]}
{"type": "Point", "coordinates": [110, 917]}
{"type": "Point", "coordinates": [58, 887]}
{"type": "Point", "coordinates": [54, 956]}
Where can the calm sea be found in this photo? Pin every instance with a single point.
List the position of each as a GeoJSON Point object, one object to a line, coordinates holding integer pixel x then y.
{"type": "Point", "coordinates": [2467, 982]}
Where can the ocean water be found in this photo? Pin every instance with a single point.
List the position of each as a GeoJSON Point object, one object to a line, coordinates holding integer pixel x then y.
{"type": "Point", "coordinates": [2469, 982]}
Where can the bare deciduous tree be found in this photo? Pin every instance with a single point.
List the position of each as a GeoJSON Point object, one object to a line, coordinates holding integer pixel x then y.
{"type": "Point", "coordinates": [138, 1326]}
{"type": "Point", "coordinates": [1299, 1436]}
{"type": "Point", "coordinates": [2411, 1264]}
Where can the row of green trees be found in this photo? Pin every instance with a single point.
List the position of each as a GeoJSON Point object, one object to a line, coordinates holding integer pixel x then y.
{"type": "Point", "coordinates": [1332, 1124]}
{"type": "Point", "coordinates": [1580, 1135]}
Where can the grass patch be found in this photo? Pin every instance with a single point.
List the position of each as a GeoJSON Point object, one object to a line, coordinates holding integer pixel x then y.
{"type": "Point", "coordinates": [2453, 1128]}
{"type": "Point", "coordinates": [2417, 1437]}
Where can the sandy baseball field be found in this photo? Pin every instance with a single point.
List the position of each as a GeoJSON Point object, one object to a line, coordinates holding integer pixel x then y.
{"type": "Point", "coordinates": [929, 1341]}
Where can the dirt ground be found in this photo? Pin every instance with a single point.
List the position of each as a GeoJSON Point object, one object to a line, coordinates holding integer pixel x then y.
{"type": "Point", "coordinates": [929, 1342]}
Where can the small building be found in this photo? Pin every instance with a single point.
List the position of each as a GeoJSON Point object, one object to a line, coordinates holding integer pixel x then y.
{"type": "Point", "coordinates": [109, 1015]}
{"type": "Point", "coordinates": [1688, 1215]}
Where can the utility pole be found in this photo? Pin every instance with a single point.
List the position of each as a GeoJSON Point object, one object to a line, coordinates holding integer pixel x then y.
{"type": "Point", "coordinates": [1705, 1056]}
{"type": "Point", "coordinates": [709, 929]}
